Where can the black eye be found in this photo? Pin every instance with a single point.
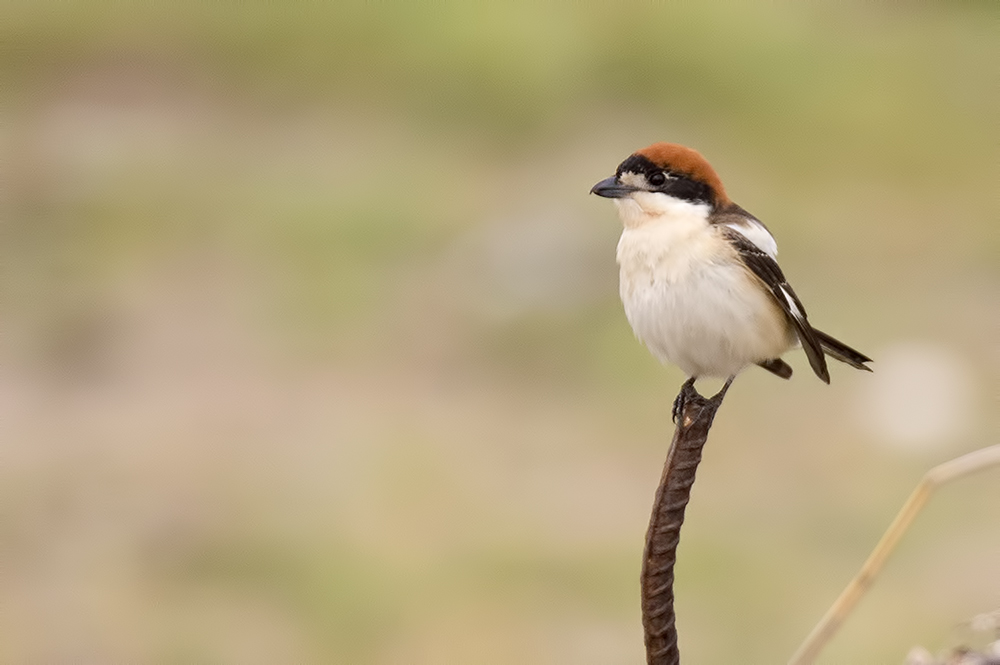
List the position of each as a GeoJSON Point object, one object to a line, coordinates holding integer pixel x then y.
{"type": "Point", "coordinates": [657, 179]}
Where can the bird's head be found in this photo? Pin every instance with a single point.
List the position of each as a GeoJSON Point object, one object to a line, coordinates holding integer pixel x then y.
{"type": "Point", "coordinates": [663, 176]}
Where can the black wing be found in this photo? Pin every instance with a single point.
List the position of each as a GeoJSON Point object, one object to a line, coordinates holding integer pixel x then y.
{"type": "Point", "coordinates": [766, 268]}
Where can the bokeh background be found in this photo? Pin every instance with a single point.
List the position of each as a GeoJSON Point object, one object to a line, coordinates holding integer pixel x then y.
{"type": "Point", "coordinates": [312, 350]}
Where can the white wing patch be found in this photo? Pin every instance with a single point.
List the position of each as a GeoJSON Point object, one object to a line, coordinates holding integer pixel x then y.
{"type": "Point", "coordinates": [755, 232]}
{"type": "Point", "coordinates": [792, 307]}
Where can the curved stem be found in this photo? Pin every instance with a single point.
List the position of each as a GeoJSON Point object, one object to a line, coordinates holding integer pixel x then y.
{"type": "Point", "coordinates": [696, 414]}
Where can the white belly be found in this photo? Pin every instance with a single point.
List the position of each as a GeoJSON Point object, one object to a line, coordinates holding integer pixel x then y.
{"type": "Point", "coordinates": [692, 305]}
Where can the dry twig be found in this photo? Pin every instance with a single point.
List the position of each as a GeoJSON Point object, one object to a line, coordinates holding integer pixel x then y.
{"type": "Point", "coordinates": [842, 607]}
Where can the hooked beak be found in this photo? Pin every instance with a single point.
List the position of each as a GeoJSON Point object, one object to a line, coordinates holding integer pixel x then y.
{"type": "Point", "coordinates": [610, 188]}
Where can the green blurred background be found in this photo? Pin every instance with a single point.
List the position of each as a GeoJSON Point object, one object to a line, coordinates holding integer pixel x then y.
{"type": "Point", "coordinates": [312, 348]}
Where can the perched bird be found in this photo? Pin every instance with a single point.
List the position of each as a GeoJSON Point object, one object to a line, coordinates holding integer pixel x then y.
{"type": "Point", "coordinates": [699, 280]}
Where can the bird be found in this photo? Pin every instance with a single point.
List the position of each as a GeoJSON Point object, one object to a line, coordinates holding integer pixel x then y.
{"type": "Point", "coordinates": [699, 277]}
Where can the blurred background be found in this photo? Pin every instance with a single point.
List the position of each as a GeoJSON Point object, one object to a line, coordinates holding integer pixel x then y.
{"type": "Point", "coordinates": [312, 349]}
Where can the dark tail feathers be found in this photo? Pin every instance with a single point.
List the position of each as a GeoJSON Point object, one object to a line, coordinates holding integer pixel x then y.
{"type": "Point", "coordinates": [777, 366]}
{"type": "Point", "coordinates": [845, 354]}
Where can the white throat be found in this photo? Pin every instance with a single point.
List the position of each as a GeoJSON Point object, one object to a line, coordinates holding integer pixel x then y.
{"type": "Point", "coordinates": [641, 208]}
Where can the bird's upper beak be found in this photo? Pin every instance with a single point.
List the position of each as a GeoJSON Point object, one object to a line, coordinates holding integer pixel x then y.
{"type": "Point", "coordinates": [610, 188]}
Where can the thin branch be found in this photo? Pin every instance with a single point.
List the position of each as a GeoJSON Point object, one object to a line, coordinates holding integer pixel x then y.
{"type": "Point", "coordinates": [657, 580]}
{"type": "Point", "coordinates": [932, 480]}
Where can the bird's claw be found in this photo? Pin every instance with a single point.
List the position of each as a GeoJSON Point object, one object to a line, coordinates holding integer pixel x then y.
{"type": "Point", "coordinates": [681, 399]}
{"type": "Point", "coordinates": [688, 390]}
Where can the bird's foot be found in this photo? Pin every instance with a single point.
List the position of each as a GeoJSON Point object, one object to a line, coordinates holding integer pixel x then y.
{"type": "Point", "coordinates": [688, 391]}
{"type": "Point", "coordinates": [681, 398]}
{"type": "Point", "coordinates": [722, 393]}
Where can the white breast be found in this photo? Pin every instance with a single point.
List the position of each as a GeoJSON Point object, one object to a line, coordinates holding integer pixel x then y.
{"type": "Point", "coordinates": [687, 296]}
